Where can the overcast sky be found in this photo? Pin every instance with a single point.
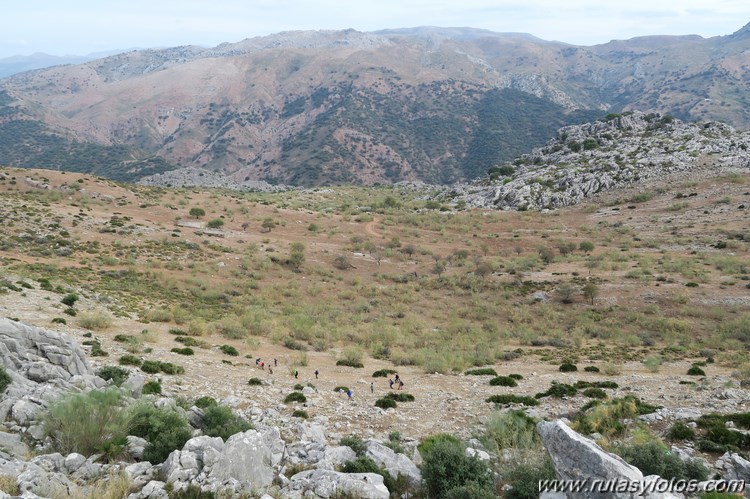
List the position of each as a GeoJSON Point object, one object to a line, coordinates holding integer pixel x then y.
{"type": "Point", "coordinates": [79, 27]}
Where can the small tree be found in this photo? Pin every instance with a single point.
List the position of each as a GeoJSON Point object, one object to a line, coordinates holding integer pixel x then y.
{"type": "Point", "coordinates": [297, 256]}
{"type": "Point", "coordinates": [268, 224]}
{"type": "Point", "coordinates": [566, 292]}
{"type": "Point", "coordinates": [483, 269]}
{"type": "Point", "coordinates": [438, 269]}
{"type": "Point", "coordinates": [590, 291]}
{"type": "Point", "coordinates": [197, 212]}
{"type": "Point", "coordinates": [586, 246]}
{"type": "Point", "coordinates": [341, 262]}
{"type": "Point", "coordinates": [546, 254]}
{"type": "Point", "coordinates": [216, 223]}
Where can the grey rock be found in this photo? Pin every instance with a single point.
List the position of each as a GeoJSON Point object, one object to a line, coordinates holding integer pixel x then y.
{"type": "Point", "coordinates": [735, 467]}
{"type": "Point", "coordinates": [134, 385]}
{"type": "Point", "coordinates": [578, 458]}
{"type": "Point", "coordinates": [24, 411]}
{"type": "Point", "coordinates": [140, 474]}
{"type": "Point", "coordinates": [326, 484]}
{"type": "Point", "coordinates": [152, 490]}
{"type": "Point", "coordinates": [395, 464]}
{"type": "Point", "coordinates": [246, 459]}
{"type": "Point", "coordinates": [73, 461]}
{"type": "Point", "coordinates": [334, 457]}
{"type": "Point", "coordinates": [46, 484]}
{"type": "Point", "coordinates": [11, 444]}
{"type": "Point", "coordinates": [136, 446]}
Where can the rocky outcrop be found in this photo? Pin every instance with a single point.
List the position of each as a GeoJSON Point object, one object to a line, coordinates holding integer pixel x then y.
{"type": "Point", "coordinates": [197, 177]}
{"type": "Point", "coordinates": [325, 484]}
{"type": "Point", "coordinates": [578, 458]}
{"type": "Point", "coordinates": [395, 464]}
{"type": "Point", "coordinates": [583, 160]}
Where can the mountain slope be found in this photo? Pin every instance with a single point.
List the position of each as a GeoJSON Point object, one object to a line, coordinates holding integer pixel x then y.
{"type": "Point", "coordinates": [430, 104]}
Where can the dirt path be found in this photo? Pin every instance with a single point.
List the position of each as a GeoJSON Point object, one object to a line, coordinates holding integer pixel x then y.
{"type": "Point", "coordinates": [370, 229]}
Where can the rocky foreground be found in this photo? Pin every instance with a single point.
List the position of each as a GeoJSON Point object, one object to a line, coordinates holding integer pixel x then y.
{"type": "Point", "coordinates": [262, 462]}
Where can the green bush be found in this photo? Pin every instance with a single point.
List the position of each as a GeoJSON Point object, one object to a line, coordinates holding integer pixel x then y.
{"type": "Point", "coordinates": [115, 373]}
{"type": "Point", "coordinates": [503, 381]}
{"type": "Point", "coordinates": [654, 458]}
{"type": "Point", "coordinates": [364, 464]}
{"type": "Point", "coordinates": [512, 431]}
{"type": "Point", "coordinates": [426, 445]}
{"type": "Point", "coordinates": [255, 382]}
{"type": "Point", "coordinates": [446, 466]}
{"type": "Point", "coordinates": [595, 384]}
{"type": "Point", "coordinates": [130, 360]}
{"type": "Point", "coordinates": [59, 320]}
{"type": "Point", "coordinates": [591, 369]}
{"type": "Point", "coordinates": [595, 393]}
{"type": "Point", "coordinates": [558, 390]}
{"type": "Point", "coordinates": [516, 376]}
{"type": "Point", "coordinates": [70, 299]}
{"type": "Point", "coordinates": [471, 491]}
{"type": "Point", "coordinates": [385, 403]}
{"type": "Point", "coordinates": [400, 396]}
{"type": "Point", "coordinates": [350, 363]}
{"type": "Point", "coordinates": [70, 311]}
{"type": "Point", "coordinates": [354, 443]}
{"type": "Point", "coordinates": [525, 479]}
{"type": "Point", "coordinates": [165, 430]}
{"type": "Point", "coordinates": [220, 421]}
{"type": "Point", "coordinates": [567, 367]}
{"type": "Point", "coordinates": [295, 397]}
{"type": "Point", "coordinates": [481, 372]}
{"type": "Point", "coordinates": [87, 423]}
{"type": "Point", "coordinates": [5, 379]}
{"type": "Point", "coordinates": [300, 414]}
{"type": "Point", "coordinates": [696, 371]}
{"type": "Point", "coordinates": [606, 418]}
{"type": "Point", "coordinates": [151, 366]}
{"type": "Point", "coordinates": [507, 398]}
{"type": "Point", "coordinates": [341, 388]}
{"type": "Point", "coordinates": [681, 431]}
{"type": "Point", "coordinates": [169, 368]}
{"type": "Point", "coordinates": [383, 373]}
{"type": "Point", "coordinates": [229, 350]}
{"type": "Point", "coordinates": [151, 388]}
{"type": "Point", "coordinates": [183, 351]}
{"type": "Point", "coordinates": [204, 402]}
{"type": "Point", "coordinates": [97, 351]}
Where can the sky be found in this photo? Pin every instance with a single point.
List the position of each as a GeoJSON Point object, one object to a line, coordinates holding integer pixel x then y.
{"type": "Point", "coordinates": [81, 27]}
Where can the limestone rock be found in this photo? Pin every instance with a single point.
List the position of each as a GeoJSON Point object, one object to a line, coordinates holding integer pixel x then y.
{"type": "Point", "coordinates": [11, 444]}
{"type": "Point", "coordinates": [395, 464]}
{"type": "Point", "coordinates": [327, 484]}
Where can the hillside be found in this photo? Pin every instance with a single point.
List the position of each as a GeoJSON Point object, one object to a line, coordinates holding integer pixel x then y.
{"type": "Point", "coordinates": [337, 107]}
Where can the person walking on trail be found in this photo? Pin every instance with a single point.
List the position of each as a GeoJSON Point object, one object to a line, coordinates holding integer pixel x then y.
{"type": "Point", "coordinates": [397, 378]}
{"type": "Point", "coordinates": [390, 382]}
{"type": "Point", "coordinates": [316, 374]}
{"type": "Point", "coordinates": [349, 394]}
{"type": "Point", "coordinates": [400, 384]}
{"type": "Point", "coordinates": [263, 365]}
{"type": "Point", "coordinates": [270, 369]}
{"type": "Point", "coordinates": [296, 373]}
{"type": "Point", "coordinates": [275, 362]}
{"type": "Point", "coordinates": [372, 387]}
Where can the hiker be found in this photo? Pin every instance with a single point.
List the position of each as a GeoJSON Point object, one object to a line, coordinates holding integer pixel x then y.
{"type": "Point", "coordinates": [349, 394]}
{"type": "Point", "coordinates": [275, 362]}
{"type": "Point", "coordinates": [397, 378]}
{"type": "Point", "coordinates": [257, 361]}
{"type": "Point", "coordinates": [372, 387]}
{"type": "Point", "coordinates": [400, 384]}
{"type": "Point", "coordinates": [270, 369]}
{"type": "Point", "coordinates": [316, 374]}
{"type": "Point", "coordinates": [263, 365]}
{"type": "Point", "coordinates": [390, 382]}
{"type": "Point", "coordinates": [296, 373]}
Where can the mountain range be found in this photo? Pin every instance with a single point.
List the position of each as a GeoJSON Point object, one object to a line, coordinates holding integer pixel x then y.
{"type": "Point", "coordinates": [437, 105]}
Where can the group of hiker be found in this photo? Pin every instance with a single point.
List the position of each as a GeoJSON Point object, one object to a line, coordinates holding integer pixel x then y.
{"type": "Point", "coordinates": [396, 380]}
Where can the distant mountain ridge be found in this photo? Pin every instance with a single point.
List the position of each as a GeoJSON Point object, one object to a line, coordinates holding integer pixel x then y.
{"type": "Point", "coordinates": [438, 105]}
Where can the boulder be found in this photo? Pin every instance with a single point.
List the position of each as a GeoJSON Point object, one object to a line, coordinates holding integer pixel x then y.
{"type": "Point", "coordinates": [734, 466]}
{"type": "Point", "coordinates": [11, 444]}
{"type": "Point", "coordinates": [395, 464]}
{"type": "Point", "coordinates": [327, 484]}
{"type": "Point", "coordinates": [246, 459]}
{"type": "Point", "coordinates": [152, 490]}
{"type": "Point", "coordinates": [136, 446]}
{"type": "Point", "coordinates": [335, 457]}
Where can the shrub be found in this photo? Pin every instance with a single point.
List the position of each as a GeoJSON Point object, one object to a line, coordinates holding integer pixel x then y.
{"type": "Point", "coordinates": [70, 311]}
{"type": "Point", "coordinates": [654, 458]}
{"type": "Point", "coordinates": [220, 421]}
{"type": "Point", "coordinates": [525, 479]}
{"type": "Point", "coordinates": [446, 467]}
{"type": "Point", "coordinates": [470, 491]}
{"type": "Point", "coordinates": [681, 431]}
{"type": "Point", "coordinates": [606, 418]}
{"type": "Point", "coordinates": [426, 445]}
{"type": "Point", "coordinates": [595, 393]}
{"type": "Point", "coordinates": [203, 402]}
{"type": "Point", "coordinates": [503, 381]}
{"type": "Point", "coordinates": [481, 372]}
{"type": "Point", "coordinates": [512, 431]}
{"type": "Point", "coordinates": [567, 367]}
{"type": "Point", "coordinates": [97, 351]}
{"type": "Point", "coordinates": [183, 351]}
{"type": "Point", "coordinates": [130, 360]}
{"type": "Point", "coordinates": [87, 423]}
{"type": "Point", "coordinates": [169, 368]}
{"type": "Point", "coordinates": [383, 373]}
{"type": "Point", "coordinates": [591, 369]}
{"type": "Point", "coordinates": [400, 396]}
{"type": "Point", "coordinates": [70, 299]}
{"type": "Point", "coordinates": [95, 320]}
{"type": "Point", "coordinates": [595, 384]}
{"type": "Point", "coordinates": [216, 223]}
{"type": "Point", "coordinates": [197, 212]}
{"type": "Point", "coordinates": [354, 443]}
{"type": "Point", "coordinates": [229, 350]}
{"type": "Point", "coordinates": [295, 397]}
{"type": "Point", "coordinates": [150, 366]}
{"type": "Point", "coordinates": [515, 376]}
{"type": "Point", "coordinates": [298, 387]}
{"type": "Point", "coordinates": [385, 403]}
{"type": "Point", "coordinates": [255, 382]}
{"type": "Point", "coordinates": [151, 388]}
{"type": "Point", "coordinates": [558, 390]}
{"type": "Point", "coordinates": [349, 363]}
{"type": "Point", "coordinates": [507, 398]}
{"type": "Point", "coordinates": [164, 429]}
{"type": "Point", "coordinates": [177, 332]}
{"type": "Point", "coordinates": [114, 373]}
{"type": "Point", "coordinates": [696, 371]}
{"type": "Point", "coordinates": [300, 414]}
{"type": "Point", "coordinates": [59, 320]}
{"type": "Point", "coordinates": [5, 379]}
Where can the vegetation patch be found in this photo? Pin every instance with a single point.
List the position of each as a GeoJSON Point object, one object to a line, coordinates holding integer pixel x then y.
{"type": "Point", "coordinates": [383, 373]}
{"type": "Point", "coordinates": [400, 396]}
{"type": "Point", "coordinates": [385, 403]}
{"type": "Point", "coordinates": [558, 390]}
{"type": "Point", "coordinates": [503, 381]}
{"type": "Point", "coordinates": [483, 371]}
{"type": "Point", "coordinates": [229, 350]}
{"type": "Point", "coordinates": [295, 397]}
{"type": "Point", "coordinates": [507, 399]}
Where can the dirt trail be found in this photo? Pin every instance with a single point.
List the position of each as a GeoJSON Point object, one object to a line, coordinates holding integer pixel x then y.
{"type": "Point", "coordinates": [370, 229]}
